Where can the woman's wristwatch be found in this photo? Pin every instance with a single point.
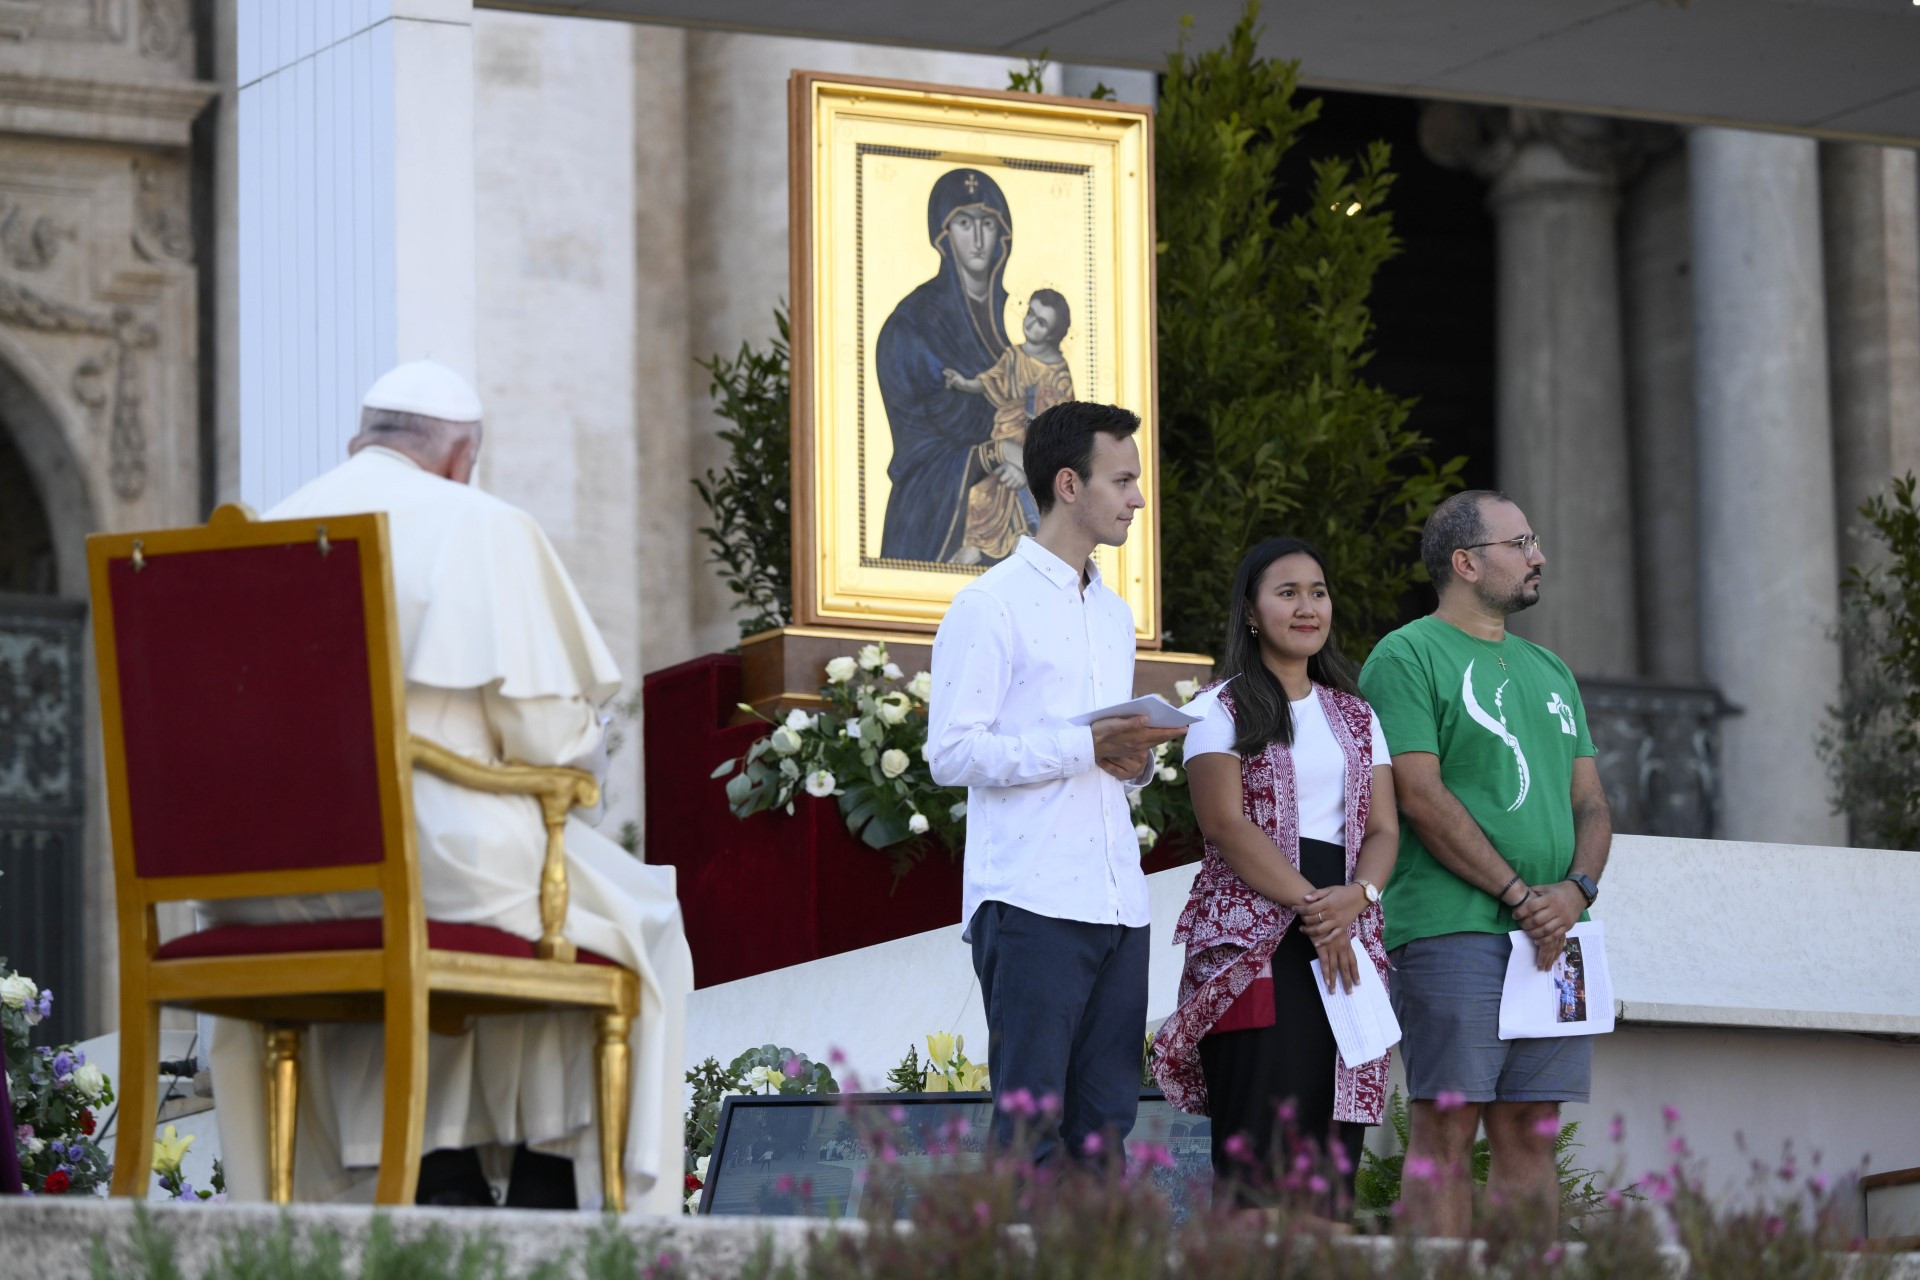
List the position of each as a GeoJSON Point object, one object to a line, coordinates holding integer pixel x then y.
{"type": "Point", "coordinates": [1373, 894]}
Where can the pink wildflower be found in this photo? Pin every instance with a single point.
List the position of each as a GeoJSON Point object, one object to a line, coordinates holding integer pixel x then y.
{"type": "Point", "coordinates": [1670, 1116]}
{"type": "Point", "coordinates": [1449, 1100]}
{"type": "Point", "coordinates": [1286, 1112]}
{"type": "Point", "coordinates": [1818, 1182]}
{"type": "Point", "coordinates": [1340, 1160]}
{"type": "Point", "coordinates": [1788, 1172]}
{"type": "Point", "coordinates": [1238, 1148]}
{"type": "Point", "coordinates": [792, 1067]}
{"type": "Point", "coordinates": [982, 1212]}
{"type": "Point", "coordinates": [1094, 1144]}
{"type": "Point", "coordinates": [1614, 1198]}
{"type": "Point", "coordinates": [836, 1057]}
{"type": "Point", "coordinates": [1317, 1185]}
{"type": "Point", "coordinates": [785, 1185]}
{"type": "Point", "coordinates": [1049, 1104]}
{"type": "Point", "coordinates": [1618, 1130]}
{"type": "Point", "coordinates": [1547, 1126]}
{"type": "Point", "coordinates": [1420, 1169]}
{"type": "Point", "coordinates": [1555, 1252]}
{"type": "Point", "coordinates": [897, 1114]}
{"type": "Point", "coordinates": [1018, 1102]}
{"type": "Point", "coordinates": [1678, 1146]}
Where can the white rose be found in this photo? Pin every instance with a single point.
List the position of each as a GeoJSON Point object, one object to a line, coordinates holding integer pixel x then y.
{"type": "Point", "coordinates": [785, 741]}
{"type": "Point", "coordinates": [957, 812]}
{"type": "Point", "coordinates": [873, 657]}
{"type": "Point", "coordinates": [1144, 834]}
{"type": "Point", "coordinates": [918, 824]}
{"type": "Point", "coordinates": [926, 751]}
{"type": "Point", "coordinates": [1186, 689]}
{"type": "Point", "coordinates": [17, 989]}
{"type": "Point", "coordinates": [693, 1201]}
{"type": "Point", "coordinates": [820, 783]}
{"type": "Point", "coordinates": [799, 721]}
{"type": "Point", "coordinates": [892, 709]}
{"type": "Point", "coordinates": [700, 1167]}
{"type": "Point", "coordinates": [840, 670]}
{"type": "Point", "coordinates": [31, 1146]}
{"type": "Point", "coordinates": [1167, 773]}
{"type": "Point", "coordinates": [1135, 798]}
{"type": "Point", "coordinates": [892, 671]}
{"type": "Point", "coordinates": [921, 686]}
{"type": "Point", "coordinates": [89, 1080]}
{"type": "Point", "coordinates": [894, 762]}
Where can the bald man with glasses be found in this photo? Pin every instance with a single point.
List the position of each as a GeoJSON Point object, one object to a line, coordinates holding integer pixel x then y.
{"type": "Point", "coordinates": [1505, 827]}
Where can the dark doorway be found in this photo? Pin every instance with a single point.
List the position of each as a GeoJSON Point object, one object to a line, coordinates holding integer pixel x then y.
{"type": "Point", "coordinates": [1433, 305]}
{"type": "Point", "coordinates": [42, 769]}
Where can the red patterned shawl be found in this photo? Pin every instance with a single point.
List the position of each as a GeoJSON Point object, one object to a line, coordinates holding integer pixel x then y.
{"type": "Point", "coordinates": [1231, 931]}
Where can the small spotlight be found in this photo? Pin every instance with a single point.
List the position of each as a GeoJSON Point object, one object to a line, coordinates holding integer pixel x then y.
{"type": "Point", "coordinates": [1355, 206]}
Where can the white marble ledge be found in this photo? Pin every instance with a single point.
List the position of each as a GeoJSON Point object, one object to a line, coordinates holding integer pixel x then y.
{"type": "Point", "coordinates": [1651, 1013]}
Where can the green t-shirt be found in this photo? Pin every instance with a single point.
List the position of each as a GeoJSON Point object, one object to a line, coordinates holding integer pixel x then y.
{"type": "Point", "coordinates": [1507, 723]}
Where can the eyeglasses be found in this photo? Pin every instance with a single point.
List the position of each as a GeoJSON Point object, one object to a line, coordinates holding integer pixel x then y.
{"type": "Point", "coordinates": [1526, 544]}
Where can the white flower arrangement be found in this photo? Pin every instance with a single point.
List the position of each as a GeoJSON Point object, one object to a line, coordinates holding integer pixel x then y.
{"type": "Point", "coordinates": [867, 748]}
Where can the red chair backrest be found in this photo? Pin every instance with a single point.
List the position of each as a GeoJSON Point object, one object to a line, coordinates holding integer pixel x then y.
{"type": "Point", "coordinates": [249, 680]}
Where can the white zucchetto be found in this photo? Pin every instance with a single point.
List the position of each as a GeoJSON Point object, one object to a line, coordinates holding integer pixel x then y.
{"type": "Point", "coordinates": [425, 387]}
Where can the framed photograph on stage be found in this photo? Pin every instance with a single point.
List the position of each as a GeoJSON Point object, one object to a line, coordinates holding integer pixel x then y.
{"type": "Point", "coordinates": [961, 261]}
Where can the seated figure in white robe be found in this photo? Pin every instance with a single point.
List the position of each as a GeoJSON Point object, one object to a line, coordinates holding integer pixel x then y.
{"type": "Point", "coordinates": [502, 663]}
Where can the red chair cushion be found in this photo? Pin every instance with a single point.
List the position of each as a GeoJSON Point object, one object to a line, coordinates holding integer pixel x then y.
{"type": "Point", "coordinates": [348, 935]}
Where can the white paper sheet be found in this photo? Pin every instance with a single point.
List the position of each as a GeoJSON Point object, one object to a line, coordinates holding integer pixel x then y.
{"type": "Point", "coordinates": [1574, 998]}
{"type": "Point", "coordinates": [1160, 713]}
{"type": "Point", "coordinates": [1362, 1019]}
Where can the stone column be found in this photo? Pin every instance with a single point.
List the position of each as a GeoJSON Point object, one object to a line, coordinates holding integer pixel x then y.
{"type": "Point", "coordinates": [1655, 265]}
{"type": "Point", "coordinates": [1872, 232]}
{"type": "Point", "coordinates": [1562, 429]}
{"type": "Point", "coordinates": [1768, 594]}
{"type": "Point", "coordinates": [355, 217]}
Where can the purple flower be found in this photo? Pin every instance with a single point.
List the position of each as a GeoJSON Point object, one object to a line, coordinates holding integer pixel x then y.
{"type": "Point", "coordinates": [63, 1065]}
{"type": "Point", "coordinates": [45, 1007]}
{"type": "Point", "coordinates": [793, 1068]}
{"type": "Point", "coordinates": [23, 1133]}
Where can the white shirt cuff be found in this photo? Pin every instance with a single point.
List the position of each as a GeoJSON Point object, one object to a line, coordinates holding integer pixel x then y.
{"type": "Point", "coordinates": [1076, 751]}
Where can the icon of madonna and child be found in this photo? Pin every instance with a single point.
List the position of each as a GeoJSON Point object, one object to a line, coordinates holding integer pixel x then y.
{"type": "Point", "coordinates": [959, 394]}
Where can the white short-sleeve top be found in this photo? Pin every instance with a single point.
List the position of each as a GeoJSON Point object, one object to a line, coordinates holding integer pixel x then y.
{"type": "Point", "coordinates": [1319, 768]}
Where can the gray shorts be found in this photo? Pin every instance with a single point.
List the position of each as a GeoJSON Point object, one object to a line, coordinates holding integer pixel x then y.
{"type": "Point", "coordinates": [1446, 993]}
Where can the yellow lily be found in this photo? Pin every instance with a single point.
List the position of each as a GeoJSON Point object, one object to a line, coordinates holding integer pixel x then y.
{"type": "Point", "coordinates": [938, 1083]}
{"type": "Point", "coordinates": [940, 1046]}
{"type": "Point", "coordinates": [973, 1077]}
{"type": "Point", "coordinates": [168, 1150]}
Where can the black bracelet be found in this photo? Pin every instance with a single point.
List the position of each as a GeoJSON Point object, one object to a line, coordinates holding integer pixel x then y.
{"type": "Point", "coordinates": [1501, 897]}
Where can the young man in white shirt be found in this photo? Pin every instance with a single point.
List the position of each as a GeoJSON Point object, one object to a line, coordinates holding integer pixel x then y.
{"type": "Point", "coordinates": [1055, 902]}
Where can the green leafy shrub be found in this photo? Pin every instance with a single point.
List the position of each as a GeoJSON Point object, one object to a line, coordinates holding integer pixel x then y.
{"type": "Point", "coordinates": [1267, 422]}
{"type": "Point", "coordinates": [767, 1069]}
{"type": "Point", "coordinates": [751, 498]}
{"type": "Point", "coordinates": [1872, 741]}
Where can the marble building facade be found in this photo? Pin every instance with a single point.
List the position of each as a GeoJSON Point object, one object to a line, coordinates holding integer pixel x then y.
{"type": "Point", "coordinates": [1709, 340]}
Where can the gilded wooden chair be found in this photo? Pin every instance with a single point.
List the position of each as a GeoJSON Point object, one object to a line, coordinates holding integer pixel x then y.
{"type": "Point", "coordinates": [252, 701]}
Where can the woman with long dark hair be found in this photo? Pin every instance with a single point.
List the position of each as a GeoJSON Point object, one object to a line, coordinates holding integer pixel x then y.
{"type": "Point", "coordinates": [1293, 790]}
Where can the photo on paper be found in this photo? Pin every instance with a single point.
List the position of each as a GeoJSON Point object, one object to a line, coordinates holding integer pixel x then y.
{"type": "Point", "coordinates": [1570, 983]}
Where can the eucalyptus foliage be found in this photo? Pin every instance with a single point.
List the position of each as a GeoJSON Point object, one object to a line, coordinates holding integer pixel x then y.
{"type": "Point", "coordinates": [750, 498]}
{"type": "Point", "coordinates": [1268, 424]}
{"type": "Point", "coordinates": [1872, 741]}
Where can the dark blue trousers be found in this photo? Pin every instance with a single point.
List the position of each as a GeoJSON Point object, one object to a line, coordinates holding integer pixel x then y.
{"type": "Point", "coordinates": [1066, 1020]}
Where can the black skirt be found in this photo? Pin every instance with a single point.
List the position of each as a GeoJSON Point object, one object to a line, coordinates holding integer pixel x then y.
{"type": "Point", "coordinates": [1252, 1074]}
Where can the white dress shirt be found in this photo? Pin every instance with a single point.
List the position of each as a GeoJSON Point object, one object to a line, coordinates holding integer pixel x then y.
{"type": "Point", "coordinates": [1021, 651]}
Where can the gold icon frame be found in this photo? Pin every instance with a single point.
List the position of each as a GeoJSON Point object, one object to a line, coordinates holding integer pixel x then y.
{"type": "Point", "coordinates": [862, 151]}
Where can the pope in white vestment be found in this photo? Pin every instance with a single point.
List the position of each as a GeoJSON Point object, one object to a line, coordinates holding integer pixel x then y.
{"type": "Point", "coordinates": [502, 663]}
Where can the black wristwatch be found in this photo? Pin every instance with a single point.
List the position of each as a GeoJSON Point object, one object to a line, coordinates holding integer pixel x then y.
{"type": "Point", "coordinates": [1588, 889]}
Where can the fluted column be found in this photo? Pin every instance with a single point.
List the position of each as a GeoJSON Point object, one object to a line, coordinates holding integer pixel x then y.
{"type": "Point", "coordinates": [1562, 424]}
{"type": "Point", "coordinates": [1872, 232]}
{"type": "Point", "coordinates": [1768, 593]}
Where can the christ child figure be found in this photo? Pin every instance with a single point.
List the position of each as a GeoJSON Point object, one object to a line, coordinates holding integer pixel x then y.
{"type": "Point", "coordinates": [1031, 377]}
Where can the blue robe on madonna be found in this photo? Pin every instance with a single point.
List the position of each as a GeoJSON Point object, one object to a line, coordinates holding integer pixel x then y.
{"type": "Point", "coordinates": [936, 431]}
